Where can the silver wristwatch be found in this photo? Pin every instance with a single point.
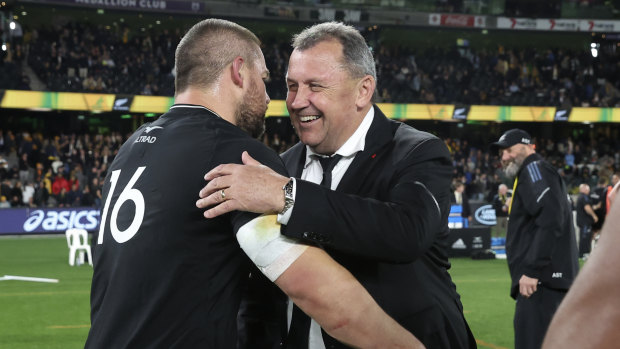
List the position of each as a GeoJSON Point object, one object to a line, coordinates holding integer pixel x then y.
{"type": "Point", "coordinates": [289, 199]}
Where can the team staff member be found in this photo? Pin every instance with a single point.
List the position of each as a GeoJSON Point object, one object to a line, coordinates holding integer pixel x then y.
{"type": "Point", "coordinates": [585, 218]}
{"type": "Point", "coordinates": [164, 277]}
{"type": "Point", "coordinates": [540, 241]}
{"type": "Point", "coordinates": [588, 317]}
{"type": "Point", "coordinates": [384, 216]}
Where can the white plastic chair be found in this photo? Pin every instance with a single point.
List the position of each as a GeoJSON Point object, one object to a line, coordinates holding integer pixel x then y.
{"type": "Point", "coordinates": [77, 240]}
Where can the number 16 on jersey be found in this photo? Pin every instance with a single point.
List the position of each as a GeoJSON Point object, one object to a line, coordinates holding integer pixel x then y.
{"type": "Point", "coordinates": [128, 193]}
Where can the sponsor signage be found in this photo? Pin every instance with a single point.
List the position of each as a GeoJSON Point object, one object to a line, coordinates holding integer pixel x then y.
{"type": "Point", "coordinates": [464, 242]}
{"type": "Point", "coordinates": [460, 113]}
{"type": "Point", "coordinates": [508, 113]}
{"type": "Point", "coordinates": [122, 103]}
{"type": "Point", "coordinates": [457, 20]}
{"type": "Point", "coordinates": [550, 24]}
{"type": "Point", "coordinates": [137, 5]}
{"type": "Point", "coordinates": [581, 114]}
{"type": "Point", "coordinates": [562, 114]}
{"type": "Point", "coordinates": [37, 100]}
{"type": "Point", "coordinates": [599, 26]}
{"type": "Point", "coordinates": [485, 215]}
{"type": "Point", "coordinates": [417, 111]}
{"type": "Point", "coordinates": [558, 24]}
{"type": "Point", "coordinates": [47, 220]}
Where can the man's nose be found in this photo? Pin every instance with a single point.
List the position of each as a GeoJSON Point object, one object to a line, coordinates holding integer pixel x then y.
{"type": "Point", "coordinates": [300, 98]}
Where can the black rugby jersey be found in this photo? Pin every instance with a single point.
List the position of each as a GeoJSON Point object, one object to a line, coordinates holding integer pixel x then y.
{"type": "Point", "coordinates": [165, 276]}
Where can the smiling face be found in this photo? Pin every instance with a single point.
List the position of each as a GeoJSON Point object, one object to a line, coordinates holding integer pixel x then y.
{"type": "Point", "coordinates": [323, 101]}
{"type": "Point", "coordinates": [512, 158]}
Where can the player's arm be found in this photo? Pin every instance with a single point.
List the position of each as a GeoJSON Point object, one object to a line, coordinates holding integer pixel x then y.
{"type": "Point", "coordinates": [411, 214]}
{"type": "Point", "coordinates": [322, 288]}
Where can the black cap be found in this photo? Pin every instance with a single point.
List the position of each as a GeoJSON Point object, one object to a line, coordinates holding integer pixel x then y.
{"type": "Point", "coordinates": [512, 137]}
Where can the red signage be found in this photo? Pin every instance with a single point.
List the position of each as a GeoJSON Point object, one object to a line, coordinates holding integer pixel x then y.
{"type": "Point", "coordinates": [457, 20]}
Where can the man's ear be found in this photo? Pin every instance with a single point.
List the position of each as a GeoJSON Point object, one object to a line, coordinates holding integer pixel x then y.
{"type": "Point", "coordinates": [365, 90]}
{"type": "Point", "coordinates": [235, 71]}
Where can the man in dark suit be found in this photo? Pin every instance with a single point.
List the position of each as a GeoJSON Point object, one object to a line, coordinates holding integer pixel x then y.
{"type": "Point", "coordinates": [382, 207]}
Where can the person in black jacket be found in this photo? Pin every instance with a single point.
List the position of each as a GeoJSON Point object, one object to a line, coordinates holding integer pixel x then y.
{"type": "Point", "coordinates": [384, 214]}
{"type": "Point", "coordinates": [586, 217]}
{"type": "Point", "coordinates": [540, 242]}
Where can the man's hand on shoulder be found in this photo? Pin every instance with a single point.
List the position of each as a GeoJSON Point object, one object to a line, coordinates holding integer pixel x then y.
{"type": "Point", "coordinates": [250, 187]}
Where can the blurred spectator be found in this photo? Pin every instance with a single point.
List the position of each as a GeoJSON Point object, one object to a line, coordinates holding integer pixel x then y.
{"type": "Point", "coordinates": [3, 202]}
{"type": "Point", "coordinates": [501, 202]}
{"type": "Point", "coordinates": [27, 194]}
{"type": "Point", "coordinates": [460, 198]}
{"type": "Point", "coordinates": [16, 195]}
{"type": "Point", "coordinates": [60, 183]}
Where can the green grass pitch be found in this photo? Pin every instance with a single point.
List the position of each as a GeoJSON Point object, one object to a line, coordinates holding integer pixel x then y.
{"type": "Point", "coordinates": [48, 315]}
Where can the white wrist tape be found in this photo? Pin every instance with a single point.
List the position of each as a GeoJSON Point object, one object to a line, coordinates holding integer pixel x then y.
{"type": "Point", "coordinates": [271, 251]}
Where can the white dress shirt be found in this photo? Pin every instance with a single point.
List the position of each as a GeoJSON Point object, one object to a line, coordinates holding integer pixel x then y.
{"type": "Point", "coordinates": [313, 172]}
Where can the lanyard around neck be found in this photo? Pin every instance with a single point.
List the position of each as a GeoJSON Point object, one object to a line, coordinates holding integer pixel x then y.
{"type": "Point", "coordinates": [514, 191]}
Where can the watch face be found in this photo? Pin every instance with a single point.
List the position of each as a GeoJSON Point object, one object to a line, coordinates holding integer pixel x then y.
{"type": "Point", "coordinates": [288, 188]}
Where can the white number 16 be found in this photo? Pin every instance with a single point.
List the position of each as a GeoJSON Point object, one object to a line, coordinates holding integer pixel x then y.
{"type": "Point", "coordinates": [128, 193]}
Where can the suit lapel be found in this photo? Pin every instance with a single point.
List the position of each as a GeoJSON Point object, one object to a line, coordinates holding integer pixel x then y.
{"type": "Point", "coordinates": [378, 136]}
{"type": "Point", "coordinates": [294, 160]}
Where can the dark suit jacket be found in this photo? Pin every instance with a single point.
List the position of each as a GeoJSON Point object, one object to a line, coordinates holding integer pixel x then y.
{"type": "Point", "coordinates": [387, 223]}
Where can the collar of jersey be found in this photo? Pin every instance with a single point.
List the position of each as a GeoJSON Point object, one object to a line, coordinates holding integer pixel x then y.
{"type": "Point", "coordinates": [194, 106]}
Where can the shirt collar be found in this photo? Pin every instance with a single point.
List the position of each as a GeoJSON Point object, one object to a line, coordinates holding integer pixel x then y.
{"type": "Point", "coordinates": [194, 106]}
{"type": "Point", "coordinates": [354, 144]}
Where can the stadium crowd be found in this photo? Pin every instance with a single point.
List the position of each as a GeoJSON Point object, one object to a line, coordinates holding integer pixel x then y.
{"type": "Point", "coordinates": [55, 171]}
{"type": "Point", "coordinates": [81, 57]}
{"type": "Point", "coordinates": [67, 169]}
{"type": "Point", "coordinates": [63, 170]}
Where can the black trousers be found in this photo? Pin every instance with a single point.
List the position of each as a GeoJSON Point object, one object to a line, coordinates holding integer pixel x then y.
{"type": "Point", "coordinates": [585, 239]}
{"type": "Point", "coordinates": [533, 315]}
